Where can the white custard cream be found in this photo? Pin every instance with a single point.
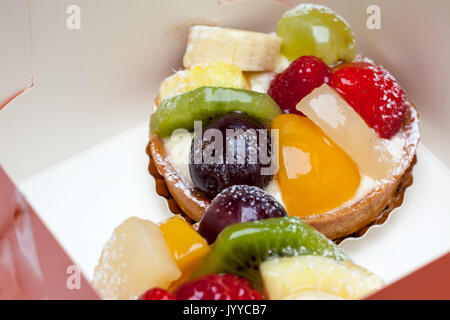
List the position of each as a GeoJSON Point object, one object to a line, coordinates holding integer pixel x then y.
{"type": "Point", "coordinates": [260, 81]}
{"type": "Point", "coordinates": [178, 146]}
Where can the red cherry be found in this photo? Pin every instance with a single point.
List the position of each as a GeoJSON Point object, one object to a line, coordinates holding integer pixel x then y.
{"type": "Point", "coordinates": [374, 94]}
{"type": "Point", "coordinates": [156, 294]}
{"type": "Point", "coordinates": [217, 287]}
{"type": "Point", "coordinates": [297, 81]}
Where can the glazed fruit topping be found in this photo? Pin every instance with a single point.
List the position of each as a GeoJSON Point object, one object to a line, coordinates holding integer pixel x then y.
{"type": "Point", "coordinates": [206, 103]}
{"type": "Point", "coordinates": [185, 244]}
{"type": "Point", "coordinates": [217, 287]}
{"type": "Point", "coordinates": [236, 159]}
{"type": "Point", "coordinates": [374, 94]}
{"type": "Point", "coordinates": [339, 121]}
{"type": "Point", "coordinates": [316, 30]}
{"type": "Point", "coordinates": [298, 80]}
{"type": "Point", "coordinates": [315, 174]}
{"type": "Point", "coordinates": [238, 204]}
{"type": "Point", "coordinates": [156, 294]}
{"type": "Point", "coordinates": [241, 248]}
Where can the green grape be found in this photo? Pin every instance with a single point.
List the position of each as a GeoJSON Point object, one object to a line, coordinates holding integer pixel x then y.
{"type": "Point", "coordinates": [316, 30]}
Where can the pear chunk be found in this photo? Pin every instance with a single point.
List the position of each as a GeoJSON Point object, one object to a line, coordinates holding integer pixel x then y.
{"type": "Point", "coordinates": [136, 258]}
{"type": "Point", "coordinates": [328, 110]}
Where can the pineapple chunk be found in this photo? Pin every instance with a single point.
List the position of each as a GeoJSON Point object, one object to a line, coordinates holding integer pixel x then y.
{"type": "Point", "coordinates": [312, 295]}
{"type": "Point", "coordinates": [136, 258]}
{"type": "Point", "coordinates": [316, 277]}
{"type": "Point", "coordinates": [218, 74]}
{"type": "Point", "coordinates": [174, 84]}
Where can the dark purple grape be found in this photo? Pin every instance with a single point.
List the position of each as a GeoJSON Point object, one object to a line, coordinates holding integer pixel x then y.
{"type": "Point", "coordinates": [238, 204]}
{"type": "Point", "coordinates": [236, 160]}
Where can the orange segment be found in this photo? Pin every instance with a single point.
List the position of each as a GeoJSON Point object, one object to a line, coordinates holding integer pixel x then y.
{"type": "Point", "coordinates": [186, 246]}
{"type": "Point", "coordinates": [331, 113]}
{"type": "Point", "coordinates": [315, 175]}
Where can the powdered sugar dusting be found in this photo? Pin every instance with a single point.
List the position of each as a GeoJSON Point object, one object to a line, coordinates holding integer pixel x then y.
{"type": "Point", "coordinates": [108, 277]}
{"type": "Point", "coordinates": [135, 247]}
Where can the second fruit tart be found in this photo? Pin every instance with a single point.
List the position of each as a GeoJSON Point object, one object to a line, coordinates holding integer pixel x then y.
{"type": "Point", "coordinates": [274, 258]}
{"type": "Point", "coordinates": [346, 145]}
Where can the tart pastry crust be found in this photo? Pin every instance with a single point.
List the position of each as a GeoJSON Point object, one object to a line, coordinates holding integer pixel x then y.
{"type": "Point", "coordinates": [350, 221]}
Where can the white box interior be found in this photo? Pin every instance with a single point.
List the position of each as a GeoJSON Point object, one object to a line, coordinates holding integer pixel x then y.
{"type": "Point", "coordinates": [75, 143]}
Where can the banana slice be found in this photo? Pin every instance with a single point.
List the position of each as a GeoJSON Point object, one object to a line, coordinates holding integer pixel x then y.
{"type": "Point", "coordinates": [251, 51]}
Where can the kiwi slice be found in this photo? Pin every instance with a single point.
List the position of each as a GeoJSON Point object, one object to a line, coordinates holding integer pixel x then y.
{"type": "Point", "coordinates": [206, 103]}
{"type": "Point", "coordinates": [241, 248]}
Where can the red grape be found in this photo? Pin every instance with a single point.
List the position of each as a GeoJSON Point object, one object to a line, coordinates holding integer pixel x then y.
{"type": "Point", "coordinates": [212, 177]}
{"type": "Point", "coordinates": [238, 204]}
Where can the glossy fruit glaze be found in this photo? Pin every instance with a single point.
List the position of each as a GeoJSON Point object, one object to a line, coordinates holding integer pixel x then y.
{"type": "Point", "coordinates": [186, 246]}
{"type": "Point", "coordinates": [156, 294]}
{"type": "Point", "coordinates": [297, 81]}
{"type": "Point", "coordinates": [315, 175]}
{"type": "Point", "coordinates": [235, 160]}
{"type": "Point", "coordinates": [236, 204]}
{"type": "Point", "coordinates": [310, 29]}
{"type": "Point", "coordinates": [217, 287]}
{"type": "Point", "coordinates": [374, 94]}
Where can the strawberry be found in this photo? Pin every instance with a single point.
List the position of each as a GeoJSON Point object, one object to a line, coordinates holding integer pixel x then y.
{"type": "Point", "coordinates": [297, 81]}
{"type": "Point", "coordinates": [217, 287]}
{"type": "Point", "coordinates": [373, 93]}
{"type": "Point", "coordinates": [156, 294]}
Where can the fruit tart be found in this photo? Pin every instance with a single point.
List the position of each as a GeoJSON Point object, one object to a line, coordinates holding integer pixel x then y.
{"type": "Point", "coordinates": [298, 114]}
{"type": "Point", "coordinates": [279, 258]}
